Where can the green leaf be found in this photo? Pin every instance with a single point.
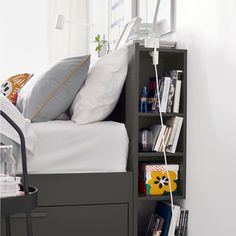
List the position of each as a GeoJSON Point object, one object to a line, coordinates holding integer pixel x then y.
{"type": "Point", "coordinates": [97, 38]}
{"type": "Point", "coordinates": [98, 48]}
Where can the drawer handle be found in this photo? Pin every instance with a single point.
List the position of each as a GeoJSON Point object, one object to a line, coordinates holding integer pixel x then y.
{"type": "Point", "coordinates": [34, 215]}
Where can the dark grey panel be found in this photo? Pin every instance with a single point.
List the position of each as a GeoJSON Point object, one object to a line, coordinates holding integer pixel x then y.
{"type": "Point", "coordinates": [86, 188]}
{"type": "Point", "coordinates": [104, 220]}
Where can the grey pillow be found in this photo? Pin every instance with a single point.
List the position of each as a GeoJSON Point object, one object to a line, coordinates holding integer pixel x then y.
{"type": "Point", "coordinates": [50, 94]}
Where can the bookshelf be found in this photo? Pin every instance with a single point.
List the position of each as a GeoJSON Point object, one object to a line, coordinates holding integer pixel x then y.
{"type": "Point", "coordinates": [140, 70]}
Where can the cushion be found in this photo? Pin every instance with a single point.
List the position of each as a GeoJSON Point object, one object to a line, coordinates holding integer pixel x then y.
{"type": "Point", "coordinates": [12, 86]}
{"type": "Point", "coordinates": [8, 132]}
{"type": "Point", "coordinates": [102, 88]}
{"type": "Point", "coordinates": [48, 95]}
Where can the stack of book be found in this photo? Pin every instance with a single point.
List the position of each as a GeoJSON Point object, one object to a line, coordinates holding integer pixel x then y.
{"type": "Point", "coordinates": [9, 186]}
{"type": "Point", "coordinates": [170, 131]}
{"type": "Point", "coordinates": [170, 91]}
{"type": "Point", "coordinates": [167, 44]}
{"type": "Point", "coordinates": [163, 43]}
{"type": "Point", "coordinates": [168, 223]}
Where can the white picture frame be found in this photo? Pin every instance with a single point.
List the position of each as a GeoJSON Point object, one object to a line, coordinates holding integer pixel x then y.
{"type": "Point", "coordinates": [127, 31]}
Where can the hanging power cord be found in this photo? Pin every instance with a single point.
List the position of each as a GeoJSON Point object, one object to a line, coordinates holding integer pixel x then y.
{"type": "Point", "coordinates": [155, 57]}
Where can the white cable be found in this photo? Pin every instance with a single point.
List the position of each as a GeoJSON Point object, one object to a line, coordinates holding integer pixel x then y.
{"type": "Point", "coordinates": [155, 54]}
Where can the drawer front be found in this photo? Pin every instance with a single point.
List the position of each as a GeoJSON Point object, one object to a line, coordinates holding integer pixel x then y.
{"type": "Point", "coordinates": [50, 188]}
{"type": "Point", "coordinates": [90, 220]}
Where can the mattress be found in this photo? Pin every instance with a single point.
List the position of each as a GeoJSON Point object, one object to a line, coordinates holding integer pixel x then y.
{"type": "Point", "coordinates": [66, 147]}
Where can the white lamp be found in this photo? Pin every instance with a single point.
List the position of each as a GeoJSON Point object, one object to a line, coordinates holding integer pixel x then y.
{"type": "Point", "coordinates": [60, 22]}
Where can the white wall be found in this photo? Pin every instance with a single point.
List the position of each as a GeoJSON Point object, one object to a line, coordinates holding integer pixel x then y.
{"type": "Point", "coordinates": [207, 29]}
{"type": "Point", "coordinates": [73, 39]}
{"type": "Point", "coordinates": [23, 44]}
{"type": "Point", "coordinates": [29, 40]}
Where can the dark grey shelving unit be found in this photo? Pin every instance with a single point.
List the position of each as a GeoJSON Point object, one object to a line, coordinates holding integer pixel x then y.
{"type": "Point", "coordinates": [140, 69]}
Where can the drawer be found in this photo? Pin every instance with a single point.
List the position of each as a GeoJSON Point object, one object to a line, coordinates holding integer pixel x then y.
{"type": "Point", "coordinates": [90, 220]}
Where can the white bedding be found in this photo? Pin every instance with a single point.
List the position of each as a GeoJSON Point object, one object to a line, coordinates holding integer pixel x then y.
{"type": "Point", "coordinates": [9, 132]}
{"type": "Point", "coordinates": [66, 147]}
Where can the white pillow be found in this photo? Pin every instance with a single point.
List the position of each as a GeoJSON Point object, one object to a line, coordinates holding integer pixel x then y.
{"type": "Point", "coordinates": [24, 124]}
{"type": "Point", "coordinates": [102, 88]}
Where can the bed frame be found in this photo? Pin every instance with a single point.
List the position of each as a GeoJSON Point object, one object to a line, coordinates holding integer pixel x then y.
{"type": "Point", "coordinates": [88, 204]}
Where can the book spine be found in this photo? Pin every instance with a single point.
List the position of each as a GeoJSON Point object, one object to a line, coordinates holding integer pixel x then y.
{"type": "Point", "coordinates": [158, 142]}
{"type": "Point", "coordinates": [171, 96]}
{"type": "Point", "coordinates": [165, 94]}
{"type": "Point", "coordinates": [179, 228]}
{"type": "Point", "coordinates": [182, 223]}
{"type": "Point", "coordinates": [176, 138]}
{"type": "Point", "coordinates": [162, 143]}
{"type": "Point", "coordinates": [167, 138]}
{"type": "Point", "coordinates": [174, 220]}
{"type": "Point", "coordinates": [185, 223]}
{"type": "Point", "coordinates": [172, 135]}
{"type": "Point", "coordinates": [161, 87]}
{"type": "Point", "coordinates": [177, 96]}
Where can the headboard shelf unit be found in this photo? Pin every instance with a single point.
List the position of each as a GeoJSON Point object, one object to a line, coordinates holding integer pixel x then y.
{"type": "Point", "coordinates": [140, 70]}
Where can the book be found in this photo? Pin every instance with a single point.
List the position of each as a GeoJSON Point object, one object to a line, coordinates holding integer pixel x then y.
{"type": "Point", "coordinates": [173, 123]}
{"type": "Point", "coordinates": [181, 229]}
{"type": "Point", "coordinates": [177, 96]}
{"type": "Point", "coordinates": [174, 220]}
{"type": "Point", "coordinates": [170, 101]}
{"type": "Point", "coordinates": [176, 74]}
{"type": "Point", "coordinates": [178, 230]}
{"type": "Point", "coordinates": [164, 210]}
{"type": "Point", "coordinates": [163, 140]}
{"type": "Point", "coordinates": [165, 94]}
{"type": "Point", "coordinates": [185, 222]}
{"type": "Point", "coordinates": [177, 133]}
{"type": "Point", "coordinates": [161, 83]}
{"type": "Point", "coordinates": [166, 137]}
{"type": "Point", "coordinates": [158, 231]}
{"type": "Point", "coordinates": [155, 129]}
{"type": "Point", "coordinates": [153, 225]}
{"type": "Point", "coordinates": [161, 224]}
{"type": "Point", "coordinates": [159, 138]}
{"type": "Point", "coordinates": [182, 223]}
{"type": "Point", "coordinates": [9, 186]}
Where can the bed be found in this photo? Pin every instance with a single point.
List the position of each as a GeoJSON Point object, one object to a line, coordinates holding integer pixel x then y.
{"type": "Point", "coordinates": [81, 200]}
{"type": "Point", "coordinates": [90, 197]}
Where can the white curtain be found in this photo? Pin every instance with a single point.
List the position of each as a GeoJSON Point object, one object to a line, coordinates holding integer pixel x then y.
{"type": "Point", "coordinates": [73, 39]}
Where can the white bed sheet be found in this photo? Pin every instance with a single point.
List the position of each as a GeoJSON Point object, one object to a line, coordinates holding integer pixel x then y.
{"type": "Point", "coordinates": [66, 147]}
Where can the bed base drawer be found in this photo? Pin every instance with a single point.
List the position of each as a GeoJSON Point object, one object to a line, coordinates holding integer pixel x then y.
{"type": "Point", "coordinates": [104, 220]}
{"type": "Point", "coordinates": [80, 189]}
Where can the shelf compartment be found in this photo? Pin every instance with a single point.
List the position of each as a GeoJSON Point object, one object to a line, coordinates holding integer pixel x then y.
{"type": "Point", "coordinates": [159, 154]}
{"type": "Point", "coordinates": [155, 114]}
{"type": "Point", "coordinates": [159, 198]}
{"type": "Point", "coordinates": [171, 159]}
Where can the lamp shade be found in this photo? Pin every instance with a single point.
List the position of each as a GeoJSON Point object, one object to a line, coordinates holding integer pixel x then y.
{"type": "Point", "coordinates": [60, 22]}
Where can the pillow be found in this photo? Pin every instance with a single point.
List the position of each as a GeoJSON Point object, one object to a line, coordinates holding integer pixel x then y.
{"type": "Point", "coordinates": [50, 94]}
{"type": "Point", "coordinates": [12, 86]}
{"type": "Point", "coordinates": [102, 88]}
{"type": "Point", "coordinates": [24, 124]}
